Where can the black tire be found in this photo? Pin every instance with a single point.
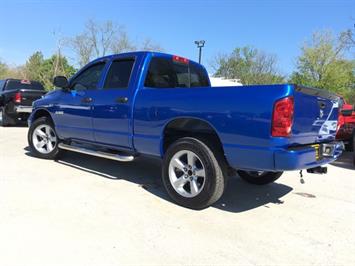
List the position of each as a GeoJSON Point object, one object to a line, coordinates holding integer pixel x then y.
{"type": "Point", "coordinates": [263, 179]}
{"type": "Point", "coordinates": [215, 176]}
{"type": "Point", "coordinates": [42, 121]}
{"type": "Point", "coordinates": [5, 118]}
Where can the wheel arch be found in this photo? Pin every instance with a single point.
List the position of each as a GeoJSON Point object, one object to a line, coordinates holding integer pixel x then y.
{"type": "Point", "coordinates": [40, 113]}
{"type": "Point", "coordinates": [181, 127]}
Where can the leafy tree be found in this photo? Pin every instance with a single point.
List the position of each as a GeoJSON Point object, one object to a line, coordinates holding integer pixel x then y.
{"type": "Point", "coordinates": [322, 64]}
{"type": "Point", "coordinates": [3, 70]}
{"type": "Point", "coordinates": [54, 66]}
{"type": "Point", "coordinates": [250, 65]}
{"type": "Point", "coordinates": [10, 72]}
{"type": "Point", "coordinates": [33, 66]}
{"type": "Point", "coordinates": [44, 70]}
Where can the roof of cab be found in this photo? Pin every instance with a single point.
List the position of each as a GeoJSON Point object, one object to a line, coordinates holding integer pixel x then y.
{"type": "Point", "coordinates": [142, 53]}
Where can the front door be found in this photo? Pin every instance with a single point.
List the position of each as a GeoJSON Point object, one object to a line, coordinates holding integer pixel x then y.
{"type": "Point", "coordinates": [73, 113]}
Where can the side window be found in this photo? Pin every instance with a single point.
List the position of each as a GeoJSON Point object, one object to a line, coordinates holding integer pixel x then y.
{"type": "Point", "coordinates": [89, 79]}
{"type": "Point", "coordinates": [198, 76]}
{"type": "Point", "coordinates": [119, 74]}
{"type": "Point", "coordinates": [160, 74]}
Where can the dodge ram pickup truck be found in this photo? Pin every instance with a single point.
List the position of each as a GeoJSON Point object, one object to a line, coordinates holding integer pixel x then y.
{"type": "Point", "coordinates": [154, 104]}
{"type": "Point", "coordinates": [16, 97]}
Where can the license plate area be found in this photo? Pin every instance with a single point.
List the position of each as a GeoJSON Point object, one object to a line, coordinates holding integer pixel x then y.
{"type": "Point", "coordinates": [324, 150]}
{"type": "Point", "coordinates": [328, 150]}
{"type": "Point", "coordinates": [318, 151]}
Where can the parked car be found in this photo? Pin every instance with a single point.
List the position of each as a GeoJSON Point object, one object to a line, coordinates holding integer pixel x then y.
{"type": "Point", "coordinates": [153, 104]}
{"type": "Point", "coordinates": [16, 97]}
{"type": "Point", "coordinates": [346, 125]}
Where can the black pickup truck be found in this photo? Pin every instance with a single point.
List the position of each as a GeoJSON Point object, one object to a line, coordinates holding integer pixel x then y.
{"type": "Point", "coordinates": [16, 97]}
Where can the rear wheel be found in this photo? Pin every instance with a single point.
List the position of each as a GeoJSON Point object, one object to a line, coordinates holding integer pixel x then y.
{"type": "Point", "coordinates": [42, 139]}
{"type": "Point", "coordinates": [4, 118]}
{"type": "Point", "coordinates": [259, 177]}
{"type": "Point", "coordinates": [192, 175]}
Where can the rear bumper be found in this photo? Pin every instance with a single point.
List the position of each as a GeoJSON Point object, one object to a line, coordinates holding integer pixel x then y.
{"type": "Point", "coordinates": [296, 158]}
{"type": "Point", "coordinates": [23, 109]}
{"type": "Point", "coordinates": [307, 157]}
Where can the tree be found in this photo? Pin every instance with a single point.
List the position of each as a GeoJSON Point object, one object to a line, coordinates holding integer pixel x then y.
{"type": "Point", "coordinates": [149, 45]}
{"type": "Point", "coordinates": [323, 64]}
{"type": "Point", "coordinates": [3, 70]}
{"type": "Point", "coordinates": [44, 70]}
{"type": "Point", "coordinates": [100, 39]}
{"type": "Point", "coordinates": [101, 36]}
{"type": "Point", "coordinates": [122, 44]}
{"type": "Point", "coordinates": [33, 65]}
{"type": "Point", "coordinates": [250, 65]}
{"type": "Point", "coordinates": [82, 47]}
{"type": "Point", "coordinates": [48, 70]}
{"type": "Point", "coordinates": [10, 72]}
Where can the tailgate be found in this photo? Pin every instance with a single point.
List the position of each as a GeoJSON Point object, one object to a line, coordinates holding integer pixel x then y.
{"type": "Point", "coordinates": [315, 116]}
{"type": "Point", "coordinates": [29, 96]}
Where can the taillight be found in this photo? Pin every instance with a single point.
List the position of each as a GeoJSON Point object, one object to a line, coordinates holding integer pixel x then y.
{"type": "Point", "coordinates": [18, 97]}
{"type": "Point", "coordinates": [282, 118]}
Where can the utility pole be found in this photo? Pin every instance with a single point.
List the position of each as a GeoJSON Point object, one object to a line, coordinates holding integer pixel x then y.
{"type": "Point", "coordinates": [200, 44]}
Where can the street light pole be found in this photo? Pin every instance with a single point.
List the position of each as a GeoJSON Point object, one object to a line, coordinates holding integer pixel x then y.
{"type": "Point", "coordinates": [200, 44]}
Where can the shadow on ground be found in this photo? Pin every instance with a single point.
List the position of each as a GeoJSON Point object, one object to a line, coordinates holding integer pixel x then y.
{"type": "Point", "coordinates": [346, 161]}
{"type": "Point", "coordinates": [145, 172]}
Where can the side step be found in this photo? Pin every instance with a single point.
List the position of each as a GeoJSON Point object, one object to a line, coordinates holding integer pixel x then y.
{"type": "Point", "coordinates": [106, 155]}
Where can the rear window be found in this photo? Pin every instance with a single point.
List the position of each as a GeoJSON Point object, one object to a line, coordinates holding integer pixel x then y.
{"type": "Point", "coordinates": [23, 85]}
{"type": "Point", "coordinates": [198, 76]}
{"type": "Point", "coordinates": [164, 73]}
{"type": "Point", "coordinates": [119, 74]}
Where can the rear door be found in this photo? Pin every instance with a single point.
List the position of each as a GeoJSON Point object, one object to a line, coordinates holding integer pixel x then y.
{"type": "Point", "coordinates": [112, 106]}
{"type": "Point", "coordinates": [73, 114]}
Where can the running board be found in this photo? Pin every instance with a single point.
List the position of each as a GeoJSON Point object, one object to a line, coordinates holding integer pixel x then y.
{"type": "Point", "coordinates": [106, 155]}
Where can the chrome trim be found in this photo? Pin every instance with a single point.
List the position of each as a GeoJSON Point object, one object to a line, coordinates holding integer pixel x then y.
{"type": "Point", "coordinates": [23, 109]}
{"type": "Point", "coordinates": [101, 154]}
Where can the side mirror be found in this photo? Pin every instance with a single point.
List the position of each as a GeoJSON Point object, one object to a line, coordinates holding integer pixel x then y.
{"type": "Point", "coordinates": [346, 112]}
{"type": "Point", "coordinates": [61, 82]}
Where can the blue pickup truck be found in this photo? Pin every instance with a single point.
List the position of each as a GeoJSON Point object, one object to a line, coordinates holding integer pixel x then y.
{"type": "Point", "coordinates": [154, 104]}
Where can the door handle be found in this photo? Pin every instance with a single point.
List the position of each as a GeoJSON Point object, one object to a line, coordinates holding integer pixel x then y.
{"type": "Point", "coordinates": [86, 100]}
{"type": "Point", "coordinates": [122, 100]}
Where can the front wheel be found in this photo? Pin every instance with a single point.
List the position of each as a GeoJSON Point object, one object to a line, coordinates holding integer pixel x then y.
{"type": "Point", "coordinates": [259, 177]}
{"type": "Point", "coordinates": [192, 174]}
{"type": "Point", "coordinates": [42, 139]}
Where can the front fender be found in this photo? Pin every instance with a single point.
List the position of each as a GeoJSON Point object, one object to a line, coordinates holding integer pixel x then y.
{"type": "Point", "coordinates": [36, 113]}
